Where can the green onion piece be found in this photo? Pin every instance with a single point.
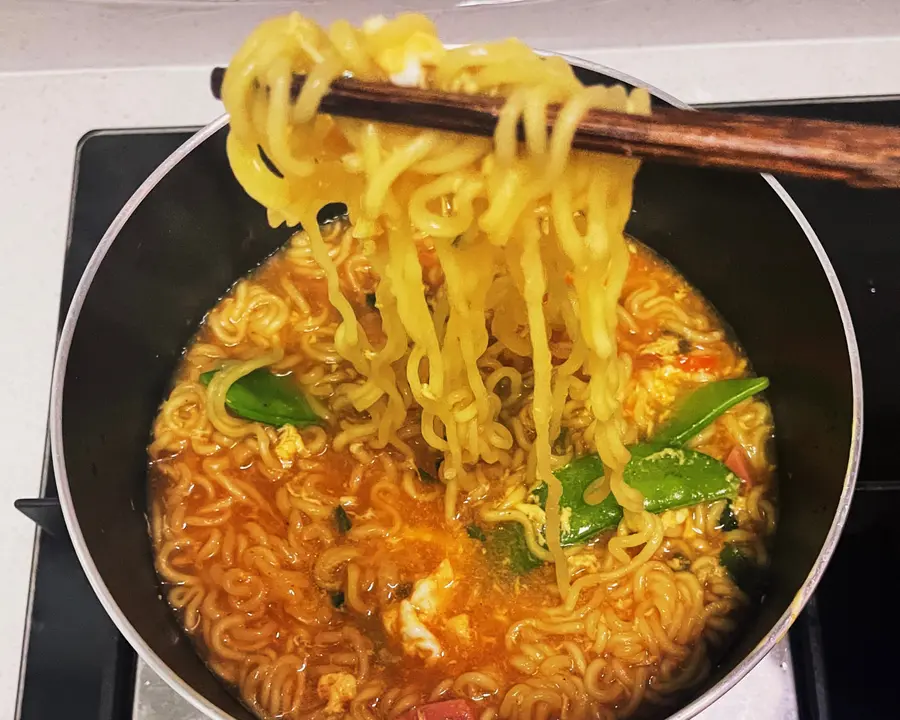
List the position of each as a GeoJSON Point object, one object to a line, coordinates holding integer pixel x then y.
{"type": "Point", "coordinates": [342, 520]}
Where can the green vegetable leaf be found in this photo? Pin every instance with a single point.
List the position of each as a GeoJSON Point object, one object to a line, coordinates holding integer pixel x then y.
{"type": "Point", "coordinates": [267, 398]}
{"type": "Point", "coordinates": [728, 520]}
{"type": "Point", "coordinates": [342, 520]}
{"type": "Point", "coordinates": [476, 533]}
{"type": "Point", "coordinates": [506, 547]}
{"type": "Point", "coordinates": [426, 477]}
{"type": "Point", "coordinates": [745, 572]}
{"type": "Point", "coordinates": [703, 406]}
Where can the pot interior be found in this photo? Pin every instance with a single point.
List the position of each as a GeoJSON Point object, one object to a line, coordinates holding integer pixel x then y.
{"type": "Point", "coordinates": [197, 232]}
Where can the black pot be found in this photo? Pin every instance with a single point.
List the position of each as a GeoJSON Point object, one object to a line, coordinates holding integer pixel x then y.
{"type": "Point", "coordinates": [190, 231]}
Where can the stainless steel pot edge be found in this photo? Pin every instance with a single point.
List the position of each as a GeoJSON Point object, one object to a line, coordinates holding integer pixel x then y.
{"type": "Point", "coordinates": [199, 701]}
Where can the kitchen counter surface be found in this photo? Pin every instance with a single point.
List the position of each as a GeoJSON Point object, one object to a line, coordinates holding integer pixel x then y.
{"type": "Point", "coordinates": [71, 66]}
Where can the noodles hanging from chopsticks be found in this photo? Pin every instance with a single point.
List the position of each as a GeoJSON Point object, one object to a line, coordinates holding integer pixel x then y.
{"type": "Point", "coordinates": [529, 237]}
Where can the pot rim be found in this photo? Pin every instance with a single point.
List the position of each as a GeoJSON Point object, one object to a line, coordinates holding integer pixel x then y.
{"type": "Point", "coordinates": [200, 702]}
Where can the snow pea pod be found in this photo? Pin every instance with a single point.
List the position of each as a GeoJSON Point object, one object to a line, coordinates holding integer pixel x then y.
{"type": "Point", "coordinates": [668, 478]}
{"type": "Point", "coordinates": [699, 409]}
{"type": "Point", "coordinates": [667, 475]}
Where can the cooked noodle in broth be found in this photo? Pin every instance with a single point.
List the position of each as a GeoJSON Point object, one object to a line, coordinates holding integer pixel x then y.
{"type": "Point", "coordinates": [376, 481]}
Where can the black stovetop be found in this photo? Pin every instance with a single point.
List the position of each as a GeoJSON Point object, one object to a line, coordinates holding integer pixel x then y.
{"type": "Point", "coordinates": [78, 666]}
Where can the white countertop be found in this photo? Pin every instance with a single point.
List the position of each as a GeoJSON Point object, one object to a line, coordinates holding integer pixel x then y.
{"type": "Point", "coordinates": [70, 66]}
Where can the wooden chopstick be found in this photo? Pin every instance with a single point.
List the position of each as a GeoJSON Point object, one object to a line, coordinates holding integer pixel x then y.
{"type": "Point", "coordinates": [861, 155]}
